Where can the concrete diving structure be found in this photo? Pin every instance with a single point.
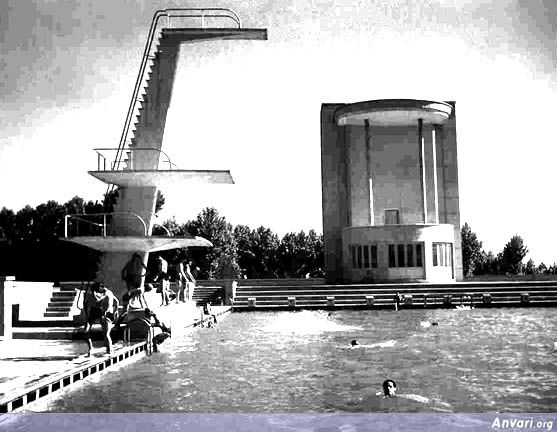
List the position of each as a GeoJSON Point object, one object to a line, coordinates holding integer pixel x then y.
{"type": "Point", "coordinates": [138, 166]}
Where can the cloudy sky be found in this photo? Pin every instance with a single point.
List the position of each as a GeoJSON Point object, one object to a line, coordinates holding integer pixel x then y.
{"type": "Point", "coordinates": [68, 71]}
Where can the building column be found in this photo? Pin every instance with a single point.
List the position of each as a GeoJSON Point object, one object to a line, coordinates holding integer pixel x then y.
{"type": "Point", "coordinates": [368, 172]}
{"type": "Point", "coordinates": [422, 169]}
{"type": "Point", "coordinates": [6, 292]}
{"type": "Point", "coordinates": [435, 192]}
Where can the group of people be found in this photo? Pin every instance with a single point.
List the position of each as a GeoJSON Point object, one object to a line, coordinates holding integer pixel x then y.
{"type": "Point", "coordinates": [101, 305]}
{"type": "Point", "coordinates": [135, 270]}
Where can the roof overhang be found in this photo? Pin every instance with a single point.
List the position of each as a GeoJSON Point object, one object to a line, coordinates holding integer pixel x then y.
{"type": "Point", "coordinates": [393, 112]}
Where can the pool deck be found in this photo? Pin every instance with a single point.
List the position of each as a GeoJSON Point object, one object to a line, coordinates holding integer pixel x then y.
{"type": "Point", "coordinates": [35, 367]}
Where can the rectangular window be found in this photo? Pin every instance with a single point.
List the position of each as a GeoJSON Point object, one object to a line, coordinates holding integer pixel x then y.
{"type": "Point", "coordinates": [442, 254]}
{"type": "Point", "coordinates": [410, 255]}
{"type": "Point", "coordinates": [419, 262]}
{"type": "Point", "coordinates": [366, 256]}
{"type": "Point", "coordinates": [391, 217]}
{"type": "Point", "coordinates": [401, 257]}
{"type": "Point", "coordinates": [353, 252]}
{"type": "Point", "coordinates": [392, 262]}
{"type": "Point", "coordinates": [359, 257]}
{"type": "Point", "coordinates": [373, 256]}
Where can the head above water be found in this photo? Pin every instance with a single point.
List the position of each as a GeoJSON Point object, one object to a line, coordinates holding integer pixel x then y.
{"type": "Point", "coordinates": [389, 388]}
{"type": "Point", "coordinates": [355, 343]}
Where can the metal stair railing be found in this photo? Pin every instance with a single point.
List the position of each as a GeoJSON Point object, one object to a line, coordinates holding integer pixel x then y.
{"type": "Point", "coordinates": [101, 158]}
{"type": "Point", "coordinates": [169, 13]}
{"type": "Point", "coordinates": [80, 217]}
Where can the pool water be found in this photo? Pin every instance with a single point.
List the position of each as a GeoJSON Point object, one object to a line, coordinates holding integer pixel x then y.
{"type": "Point", "coordinates": [482, 360]}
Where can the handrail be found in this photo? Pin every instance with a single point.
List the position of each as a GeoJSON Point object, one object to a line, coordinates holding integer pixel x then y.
{"type": "Point", "coordinates": [164, 228]}
{"type": "Point", "coordinates": [68, 216]}
{"type": "Point", "coordinates": [157, 15]}
{"type": "Point", "coordinates": [100, 155]}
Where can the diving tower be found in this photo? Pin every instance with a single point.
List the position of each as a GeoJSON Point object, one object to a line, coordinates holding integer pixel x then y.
{"type": "Point", "coordinates": [138, 166]}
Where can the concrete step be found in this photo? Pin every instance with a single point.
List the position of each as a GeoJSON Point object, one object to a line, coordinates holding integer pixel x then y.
{"type": "Point", "coordinates": [63, 294]}
{"type": "Point", "coordinates": [60, 305]}
{"type": "Point", "coordinates": [57, 314]}
{"type": "Point", "coordinates": [65, 310]}
{"type": "Point", "coordinates": [379, 290]}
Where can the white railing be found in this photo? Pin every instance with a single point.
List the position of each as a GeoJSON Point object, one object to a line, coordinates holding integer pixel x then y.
{"type": "Point", "coordinates": [201, 13]}
{"type": "Point", "coordinates": [101, 225]}
{"type": "Point", "coordinates": [103, 156]}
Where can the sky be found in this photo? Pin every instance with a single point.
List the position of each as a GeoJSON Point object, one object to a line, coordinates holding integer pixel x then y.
{"type": "Point", "coordinates": [67, 72]}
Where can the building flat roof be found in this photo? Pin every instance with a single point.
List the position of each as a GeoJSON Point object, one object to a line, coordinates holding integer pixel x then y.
{"type": "Point", "coordinates": [393, 112]}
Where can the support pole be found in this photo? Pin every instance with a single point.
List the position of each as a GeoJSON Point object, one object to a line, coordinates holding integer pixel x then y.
{"type": "Point", "coordinates": [368, 173]}
{"type": "Point", "coordinates": [435, 192]}
{"type": "Point", "coordinates": [422, 169]}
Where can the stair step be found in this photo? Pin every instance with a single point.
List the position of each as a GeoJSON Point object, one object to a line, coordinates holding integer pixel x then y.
{"type": "Point", "coordinates": [58, 308]}
{"type": "Point", "coordinates": [62, 299]}
{"type": "Point", "coordinates": [63, 295]}
{"type": "Point", "coordinates": [56, 314]}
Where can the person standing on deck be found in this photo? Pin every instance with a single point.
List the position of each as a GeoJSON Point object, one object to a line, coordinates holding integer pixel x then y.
{"type": "Point", "coordinates": [190, 280]}
{"type": "Point", "coordinates": [161, 277]}
{"type": "Point", "coordinates": [182, 280]}
{"type": "Point", "coordinates": [398, 300]}
{"type": "Point", "coordinates": [100, 304]}
{"type": "Point", "coordinates": [133, 272]}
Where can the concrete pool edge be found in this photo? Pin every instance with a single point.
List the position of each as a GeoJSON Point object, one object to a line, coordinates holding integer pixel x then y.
{"type": "Point", "coordinates": [38, 386]}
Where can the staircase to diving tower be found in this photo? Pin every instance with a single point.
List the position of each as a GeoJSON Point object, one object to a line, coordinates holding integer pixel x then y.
{"type": "Point", "coordinates": [138, 166]}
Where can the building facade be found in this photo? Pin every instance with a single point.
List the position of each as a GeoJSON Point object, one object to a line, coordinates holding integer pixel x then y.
{"type": "Point", "coordinates": [390, 191]}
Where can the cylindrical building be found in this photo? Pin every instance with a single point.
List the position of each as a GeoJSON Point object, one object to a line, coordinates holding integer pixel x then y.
{"type": "Point", "coordinates": [390, 191]}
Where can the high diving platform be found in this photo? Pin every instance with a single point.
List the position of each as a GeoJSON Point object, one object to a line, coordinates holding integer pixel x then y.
{"type": "Point", "coordinates": [138, 167]}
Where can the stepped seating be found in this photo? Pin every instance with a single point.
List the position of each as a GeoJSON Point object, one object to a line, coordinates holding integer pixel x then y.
{"type": "Point", "coordinates": [492, 294]}
{"type": "Point", "coordinates": [204, 294]}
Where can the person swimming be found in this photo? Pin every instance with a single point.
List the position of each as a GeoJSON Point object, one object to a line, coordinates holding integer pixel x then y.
{"type": "Point", "coordinates": [354, 343]}
{"type": "Point", "coordinates": [389, 388]}
{"type": "Point", "coordinates": [389, 391]}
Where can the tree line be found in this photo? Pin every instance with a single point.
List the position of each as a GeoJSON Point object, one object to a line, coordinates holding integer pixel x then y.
{"type": "Point", "coordinates": [30, 248]}
{"type": "Point", "coordinates": [477, 262]}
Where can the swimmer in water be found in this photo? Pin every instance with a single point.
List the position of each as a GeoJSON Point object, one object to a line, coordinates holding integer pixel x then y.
{"type": "Point", "coordinates": [354, 344]}
{"type": "Point", "coordinates": [389, 391]}
{"type": "Point", "coordinates": [389, 388]}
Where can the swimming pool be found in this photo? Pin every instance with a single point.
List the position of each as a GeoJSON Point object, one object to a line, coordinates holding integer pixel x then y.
{"type": "Point", "coordinates": [482, 360]}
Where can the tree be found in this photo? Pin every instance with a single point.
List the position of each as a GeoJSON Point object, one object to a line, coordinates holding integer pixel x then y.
{"type": "Point", "coordinates": [220, 261]}
{"type": "Point", "coordinates": [542, 268]}
{"type": "Point", "coordinates": [488, 264]}
{"type": "Point", "coordinates": [471, 250]}
{"type": "Point", "coordinates": [530, 268]}
{"type": "Point", "coordinates": [513, 254]}
{"type": "Point", "coordinates": [246, 256]}
{"type": "Point", "coordinates": [300, 254]}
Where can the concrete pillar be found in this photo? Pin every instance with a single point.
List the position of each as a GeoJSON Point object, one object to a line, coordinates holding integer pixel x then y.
{"type": "Point", "coordinates": [229, 291]}
{"type": "Point", "coordinates": [435, 189]}
{"type": "Point", "coordinates": [422, 170]}
{"type": "Point", "coordinates": [368, 173]}
{"type": "Point", "coordinates": [6, 291]}
{"type": "Point", "coordinates": [334, 183]}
